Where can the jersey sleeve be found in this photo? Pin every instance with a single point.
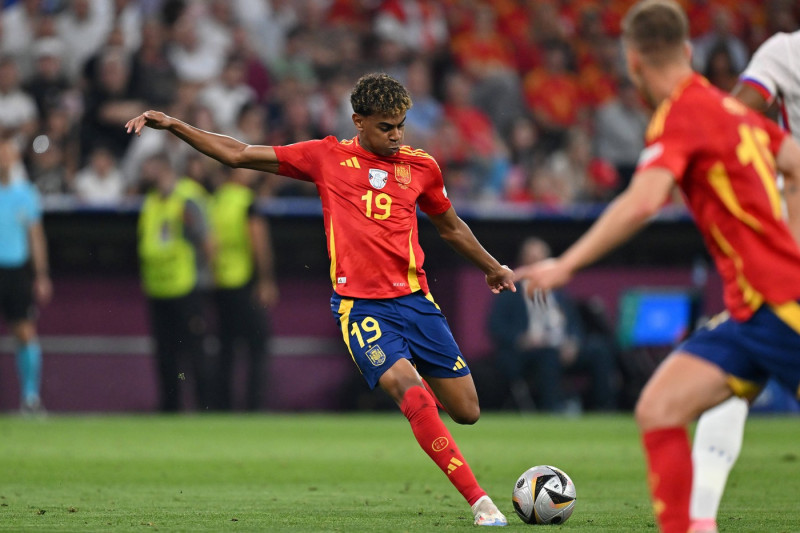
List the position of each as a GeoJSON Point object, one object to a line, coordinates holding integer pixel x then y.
{"type": "Point", "coordinates": [768, 69]}
{"type": "Point", "coordinates": [433, 200]}
{"type": "Point", "coordinates": [669, 142]}
{"type": "Point", "coordinates": [300, 160]}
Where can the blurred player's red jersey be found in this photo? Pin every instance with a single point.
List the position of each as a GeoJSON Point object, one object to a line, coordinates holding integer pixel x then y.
{"type": "Point", "coordinates": [722, 156]}
{"type": "Point", "coordinates": [369, 208]}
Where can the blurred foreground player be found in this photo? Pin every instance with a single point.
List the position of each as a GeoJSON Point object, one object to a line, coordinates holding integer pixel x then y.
{"type": "Point", "coordinates": [370, 187]}
{"type": "Point", "coordinates": [722, 156]}
{"type": "Point", "coordinates": [23, 246]}
{"type": "Point", "coordinates": [770, 81]}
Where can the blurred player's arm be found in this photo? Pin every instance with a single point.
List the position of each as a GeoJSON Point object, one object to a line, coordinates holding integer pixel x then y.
{"type": "Point", "coordinates": [750, 97]}
{"type": "Point", "coordinates": [42, 286]}
{"type": "Point", "coordinates": [457, 234]}
{"type": "Point", "coordinates": [224, 149]}
{"type": "Point", "coordinates": [623, 218]}
{"type": "Point", "coordinates": [788, 163]}
{"type": "Point", "coordinates": [263, 256]}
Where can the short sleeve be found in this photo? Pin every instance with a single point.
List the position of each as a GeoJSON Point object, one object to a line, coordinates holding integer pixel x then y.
{"type": "Point", "coordinates": [433, 200]}
{"type": "Point", "coordinates": [301, 160]}
{"type": "Point", "coordinates": [769, 70]}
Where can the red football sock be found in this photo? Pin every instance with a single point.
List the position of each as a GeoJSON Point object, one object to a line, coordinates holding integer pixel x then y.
{"type": "Point", "coordinates": [669, 469]}
{"type": "Point", "coordinates": [434, 438]}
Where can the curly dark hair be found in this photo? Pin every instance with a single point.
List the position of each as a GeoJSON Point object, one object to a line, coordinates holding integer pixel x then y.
{"type": "Point", "coordinates": [379, 93]}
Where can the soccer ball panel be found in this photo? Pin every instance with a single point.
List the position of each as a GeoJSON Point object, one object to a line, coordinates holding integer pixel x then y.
{"type": "Point", "coordinates": [544, 495]}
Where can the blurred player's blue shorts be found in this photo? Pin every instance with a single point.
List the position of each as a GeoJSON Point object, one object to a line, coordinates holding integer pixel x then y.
{"type": "Point", "coordinates": [378, 333]}
{"type": "Point", "coordinates": [767, 345]}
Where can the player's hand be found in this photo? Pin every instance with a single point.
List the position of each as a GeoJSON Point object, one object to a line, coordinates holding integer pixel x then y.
{"type": "Point", "coordinates": [501, 280]}
{"type": "Point", "coordinates": [152, 119]}
{"type": "Point", "coordinates": [544, 275]}
{"type": "Point", "coordinates": [266, 293]}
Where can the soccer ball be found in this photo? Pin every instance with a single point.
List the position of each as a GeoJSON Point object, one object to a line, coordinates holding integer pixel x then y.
{"type": "Point", "coordinates": [544, 495]}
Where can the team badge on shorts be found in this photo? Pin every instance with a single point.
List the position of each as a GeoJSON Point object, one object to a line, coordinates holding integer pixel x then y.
{"type": "Point", "coordinates": [378, 177]}
{"type": "Point", "coordinates": [402, 174]}
{"type": "Point", "coordinates": [376, 356]}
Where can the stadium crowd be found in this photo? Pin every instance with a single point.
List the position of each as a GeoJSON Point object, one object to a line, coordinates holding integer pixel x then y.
{"type": "Point", "coordinates": [518, 100]}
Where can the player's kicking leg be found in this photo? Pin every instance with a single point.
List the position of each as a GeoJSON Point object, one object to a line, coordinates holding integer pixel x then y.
{"type": "Point", "coordinates": [403, 384]}
{"type": "Point", "coordinates": [717, 442]}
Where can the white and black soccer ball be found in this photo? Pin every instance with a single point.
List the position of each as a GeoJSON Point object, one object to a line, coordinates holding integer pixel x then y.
{"type": "Point", "coordinates": [544, 495]}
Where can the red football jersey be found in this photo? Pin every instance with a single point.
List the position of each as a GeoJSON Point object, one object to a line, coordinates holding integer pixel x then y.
{"type": "Point", "coordinates": [722, 155]}
{"type": "Point", "coordinates": [369, 206]}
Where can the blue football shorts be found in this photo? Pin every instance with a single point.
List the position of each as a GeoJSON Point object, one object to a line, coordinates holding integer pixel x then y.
{"type": "Point", "coordinates": [766, 345]}
{"type": "Point", "coordinates": [380, 332]}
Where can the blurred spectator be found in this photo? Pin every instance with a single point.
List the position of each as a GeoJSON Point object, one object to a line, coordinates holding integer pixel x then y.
{"type": "Point", "coordinates": [128, 17]}
{"type": "Point", "coordinates": [48, 85]}
{"type": "Point", "coordinates": [619, 128]}
{"type": "Point", "coordinates": [19, 21]}
{"type": "Point", "coordinates": [420, 25]}
{"type": "Point", "coordinates": [599, 77]}
{"type": "Point", "coordinates": [720, 70]}
{"type": "Point", "coordinates": [215, 24]}
{"type": "Point", "coordinates": [153, 78]}
{"type": "Point", "coordinates": [486, 57]}
{"type": "Point", "coordinates": [584, 178]}
{"type": "Point", "coordinates": [53, 155]}
{"type": "Point", "coordinates": [267, 24]}
{"type": "Point", "coordinates": [553, 94]}
{"type": "Point", "coordinates": [722, 33]}
{"type": "Point", "coordinates": [227, 95]}
{"type": "Point", "coordinates": [256, 74]}
{"type": "Point", "coordinates": [83, 27]}
{"type": "Point", "coordinates": [107, 103]}
{"type": "Point", "coordinates": [426, 113]}
{"type": "Point", "coordinates": [538, 342]}
{"type": "Point", "coordinates": [245, 288]}
{"type": "Point", "coordinates": [100, 182]}
{"type": "Point", "coordinates": [174, 250]}
{"type": "Point", "coordinates": [18, 113]}
{"type": "Point", "coordinates": [527, 156]}
{"type": "Point", "coordinates": [251, 124]}
{"type": "Point", "coordinates": [488, 161]}
{"type": "Point", "coordinates": [196, 60]}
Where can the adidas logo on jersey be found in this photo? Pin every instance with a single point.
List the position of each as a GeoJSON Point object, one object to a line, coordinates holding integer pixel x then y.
{"type": "Point", "coordinates": [352, 163]}
{"type": "Point", "coordinates": [459, 364]}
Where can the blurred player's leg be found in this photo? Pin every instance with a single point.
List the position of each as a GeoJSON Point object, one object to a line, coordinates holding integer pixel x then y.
{"type": "Point", "coordinates": [717, 442]}
{"type": "Point", "coordinates": [682, 387]}
{"type": "Point", "coordinates": [29, 367]}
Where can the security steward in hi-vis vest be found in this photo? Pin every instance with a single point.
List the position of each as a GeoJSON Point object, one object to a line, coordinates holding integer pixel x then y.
{"type": "Point", "coordinates": [244, 287]}
{"type": "Point", "coordinates": [174, 246]}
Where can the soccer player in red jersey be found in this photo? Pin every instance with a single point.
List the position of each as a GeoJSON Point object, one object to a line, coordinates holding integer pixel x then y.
{"type": "Point", "coordinates": [370, 187]}
{"type": "Point", "coordinates": [723, 158]}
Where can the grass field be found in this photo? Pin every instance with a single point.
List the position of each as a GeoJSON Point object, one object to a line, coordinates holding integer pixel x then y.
{"type": "Point", "coordinates": [347, 473]}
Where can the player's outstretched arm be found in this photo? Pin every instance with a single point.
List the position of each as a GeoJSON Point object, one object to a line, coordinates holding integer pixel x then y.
{"type": "Point", "coordinates": [458, 235]}
{"type": "Point", "coordinates": [224, 149]}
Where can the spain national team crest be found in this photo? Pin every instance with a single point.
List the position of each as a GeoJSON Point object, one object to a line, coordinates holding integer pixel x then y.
{"type": "Point", "coordinates": [376, 356]}
{"type": "Point", "coordinates": [402, 173]}
{"type": "Point", "coordinates": [378, 177]}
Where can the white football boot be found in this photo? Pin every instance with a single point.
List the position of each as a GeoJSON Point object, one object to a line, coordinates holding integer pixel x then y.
{"type": "Point", "coordinates": [487, 514]}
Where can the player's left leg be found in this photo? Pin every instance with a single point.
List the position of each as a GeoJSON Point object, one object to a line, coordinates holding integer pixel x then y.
{"type": "Point", "coordinates": [717, 442]}
{"type": "Point", "coordinates": [29, 365]}
{"type": "Point", "coordinates": [682, 387]}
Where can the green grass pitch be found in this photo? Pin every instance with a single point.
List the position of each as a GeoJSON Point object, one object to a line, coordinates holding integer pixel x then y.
{"type": "Point", "coordinates": [362, 472]}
